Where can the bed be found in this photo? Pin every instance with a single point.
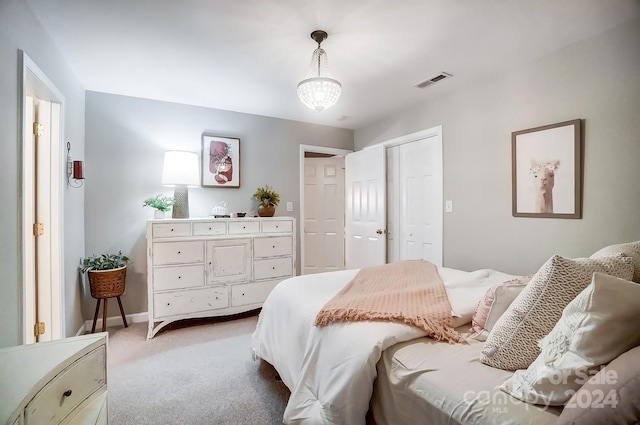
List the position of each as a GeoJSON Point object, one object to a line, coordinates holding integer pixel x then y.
{"type": "Point", "coordinates": [330, 370]}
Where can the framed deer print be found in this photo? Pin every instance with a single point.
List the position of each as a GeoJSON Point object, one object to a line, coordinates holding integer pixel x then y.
{"type": "Point", "coordinates": [546, 170]}
{"type": "Point", "coordinates": [220, 161]}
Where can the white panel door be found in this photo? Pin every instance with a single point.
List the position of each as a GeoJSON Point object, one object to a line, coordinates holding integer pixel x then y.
{"type": "Point", "coordinates": [420, 170]}
{"type": "Point", "coordinates": [43, 215]}
{"type": "Point", "coordinates": [365, 185]}
{"type": "Point", "coordinates": [323, 214]}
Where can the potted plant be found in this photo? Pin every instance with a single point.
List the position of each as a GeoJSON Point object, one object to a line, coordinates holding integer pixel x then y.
{"type": "Point", "coordinates": [107, 275]}
{"type": "Point", "coordinates": [161, 203]}
{"type": "Point", "coordinates": [268, 199]}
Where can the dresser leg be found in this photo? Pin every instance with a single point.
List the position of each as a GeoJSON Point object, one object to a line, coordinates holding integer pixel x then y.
{"type": "Point", "coordinates": [104, 314]}
{"type": "Point", "coordinates": [124, 319]}
{"type": "Point", "coordinates": [95, 316]}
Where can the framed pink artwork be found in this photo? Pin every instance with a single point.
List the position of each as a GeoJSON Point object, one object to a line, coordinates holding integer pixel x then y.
{"type": "Point", "coordinates": [220, 161]}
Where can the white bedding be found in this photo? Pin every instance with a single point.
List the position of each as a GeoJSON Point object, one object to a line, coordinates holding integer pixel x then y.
{"type": "Point", "coordinates": [330, 370]}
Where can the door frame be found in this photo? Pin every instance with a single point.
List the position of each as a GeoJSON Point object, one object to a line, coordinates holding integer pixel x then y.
{"type": "Point", "coordinates": [303, 150]}
{"type": "Point", "coordinates": [35, 83]}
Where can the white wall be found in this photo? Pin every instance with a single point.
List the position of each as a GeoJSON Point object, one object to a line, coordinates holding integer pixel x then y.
{"type": "Point", "coordinates": [126, 140]}
{"type": "Point", "coordinates": [20, 30]}
{"type": "Point", "coordinates": [597, 80]}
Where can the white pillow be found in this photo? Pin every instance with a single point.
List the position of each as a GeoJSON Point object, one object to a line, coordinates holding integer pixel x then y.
{"type": "Point", "coordinates": [596, 327]}
{"type": "Point", "coordinates": [512, 344]}
{"type": "Point", "coordinates": [628, 249]}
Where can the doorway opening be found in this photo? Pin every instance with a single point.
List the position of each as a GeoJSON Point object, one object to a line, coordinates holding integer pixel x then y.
{"type": "Point", "coordinates": [321, 209]}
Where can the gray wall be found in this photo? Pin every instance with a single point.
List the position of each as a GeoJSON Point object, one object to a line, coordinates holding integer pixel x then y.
{"type": "Point", "coordinates": [597, 80]}
{"type": "Point", "coordinates": [20, 30]}
{"type": "Point", "coordinates": [126, 141]}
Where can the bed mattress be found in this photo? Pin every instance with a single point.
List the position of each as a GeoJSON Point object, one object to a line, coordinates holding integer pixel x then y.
{"type": "Point", "coordinates": [429, 382]}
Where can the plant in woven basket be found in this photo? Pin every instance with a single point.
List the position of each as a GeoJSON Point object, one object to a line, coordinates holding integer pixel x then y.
{"type": "Point", "coordinates": [107, 274]}
{"type": "Point", "coordinates": [104, 262]}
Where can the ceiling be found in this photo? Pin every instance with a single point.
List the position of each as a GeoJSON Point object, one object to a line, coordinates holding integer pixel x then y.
{"type": "Point", "coordinates": [249, 55]}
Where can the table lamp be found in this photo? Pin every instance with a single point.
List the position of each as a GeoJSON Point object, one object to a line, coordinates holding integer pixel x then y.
{"type": "Point", "coordinates": [180, 170]}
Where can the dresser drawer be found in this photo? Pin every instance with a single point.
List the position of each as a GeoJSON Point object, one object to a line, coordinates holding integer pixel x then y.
{"type": "Point", "coordinates": [251, 293]}
{"type": "Point", "coordinates": [190, 301]}
{"type": "Point", "coordinates": [178, 277]}
{"type": "Point", "coordinates": [277, 226]}
{"type": "Point", "coordinates": [273, 267]}
{"type": "Point", "coordinates": [242, 227]}
{"type": "Point", "coordinates": [210, 228]}
{"type": "Point", "coordinates": [273, 246]}
{"type": "Point", "coordinates": [94, 412]}
{"type": "Point", "coordinates": [78, 382]}
{"type": "Point", "coordinates": [178, 252]}
{"type": "Point", "coordinates": [171, 230]}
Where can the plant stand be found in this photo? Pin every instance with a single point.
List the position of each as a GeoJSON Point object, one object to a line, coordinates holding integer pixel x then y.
{"type": "Point", "coordinates": [107, 284]}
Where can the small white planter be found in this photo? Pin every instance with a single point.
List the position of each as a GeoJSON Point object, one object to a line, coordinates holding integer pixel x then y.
{"type": "Point", "coordinates": [158, 214]}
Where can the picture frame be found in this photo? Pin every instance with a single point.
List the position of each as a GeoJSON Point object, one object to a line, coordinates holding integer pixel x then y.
{"type": "Point", "coordinates": [220, 158]}
{"type": "Point", "coordinates": [547, 170]}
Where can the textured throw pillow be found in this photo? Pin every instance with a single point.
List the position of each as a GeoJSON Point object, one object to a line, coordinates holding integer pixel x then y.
{"type": "Point", "coordinates": [629, 249]}
{"type": "Point", "coordinates": [494, 303]}
{"type": "Point", "coordinates": [513, 342]}
{"type": "Point", "coordinates": [611, 397]}
{"type": "Point", "coordinates": [595, 328]}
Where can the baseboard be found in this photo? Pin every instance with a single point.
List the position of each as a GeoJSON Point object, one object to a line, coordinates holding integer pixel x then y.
{"type": "Point", "coordinates": [113, 321]}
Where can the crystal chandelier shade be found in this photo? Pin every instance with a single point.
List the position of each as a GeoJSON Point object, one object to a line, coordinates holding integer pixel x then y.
{"type": "Point", "coordinates": [319, 90]}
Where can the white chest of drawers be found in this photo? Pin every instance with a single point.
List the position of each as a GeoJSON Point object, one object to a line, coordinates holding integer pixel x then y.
{"type": "Point", "coordinates": [215, 267]}
{"type": "Point", "coordinates": [56, 382]}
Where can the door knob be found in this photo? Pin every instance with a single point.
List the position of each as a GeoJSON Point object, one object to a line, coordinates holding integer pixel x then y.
{"type": "Point", "coordinates": [380, 231]}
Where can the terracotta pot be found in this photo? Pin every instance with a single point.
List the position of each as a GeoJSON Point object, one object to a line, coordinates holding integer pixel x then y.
{"type": "Point", "coordinates": [266, 211]}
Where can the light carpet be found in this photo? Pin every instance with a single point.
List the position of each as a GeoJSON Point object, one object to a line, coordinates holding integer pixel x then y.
{"type": "Point", "coordinates": [192, 372]}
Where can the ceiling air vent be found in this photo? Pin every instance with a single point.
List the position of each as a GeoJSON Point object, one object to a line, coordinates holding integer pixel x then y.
{"type": "Point", "coordinates": [433, 80]}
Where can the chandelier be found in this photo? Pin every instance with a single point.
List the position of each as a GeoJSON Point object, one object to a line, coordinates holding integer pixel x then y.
{"type": "Point", "coordinates": [319, 90]}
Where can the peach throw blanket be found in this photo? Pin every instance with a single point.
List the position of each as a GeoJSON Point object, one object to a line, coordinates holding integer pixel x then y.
{"type": "Point", "coordinates": [410, 292]}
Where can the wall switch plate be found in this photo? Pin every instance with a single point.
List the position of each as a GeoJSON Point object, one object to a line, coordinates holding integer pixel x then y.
{"type": "Point", "coordinates": [448, 206]}
{"type": "Point", "coordinates": [289, 206]}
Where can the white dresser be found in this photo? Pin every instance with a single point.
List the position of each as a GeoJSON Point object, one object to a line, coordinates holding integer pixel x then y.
{"type": "Point", "coordinates": [55, 382]}
{"type": "Point", "coordinates": [215, 267]}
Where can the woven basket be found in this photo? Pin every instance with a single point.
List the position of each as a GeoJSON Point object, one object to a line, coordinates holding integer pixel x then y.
{"type": "Point", "coordinates": [107, 283]}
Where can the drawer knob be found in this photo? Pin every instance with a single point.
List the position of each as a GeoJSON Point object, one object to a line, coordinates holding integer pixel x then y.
{"type": "Point", "coordinates": [179, 277]}
{"type": "Point", "coordinates": [67, 393]}
{"type": "Point", "coordinates": [172, 229]}
{"type": "Point", "coordinates": [209, 228]}
{"type": "Point", "coordinates": [274, 267]}
{"type": "Point", "coordinates": [168, 303]}
{"type": "Point", "coordinates": [179, 252]}
{"type": "Point", "coordinates": [274, 246]}
{"type": "Point", "coordinates": [244, 227]}
{"type": "Point", "coordinates": [276, 226]}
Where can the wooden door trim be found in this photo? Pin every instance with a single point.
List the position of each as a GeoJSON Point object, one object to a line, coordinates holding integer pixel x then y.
{"type": "Point", "coordinates": [35, 83]}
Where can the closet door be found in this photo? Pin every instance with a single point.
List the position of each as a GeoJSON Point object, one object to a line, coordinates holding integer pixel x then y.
{"type": "Point", "coordinates": [419, 224]}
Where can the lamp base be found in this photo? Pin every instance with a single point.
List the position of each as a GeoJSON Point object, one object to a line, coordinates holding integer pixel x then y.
{"type": "Point", "coordinates": [181, 206]}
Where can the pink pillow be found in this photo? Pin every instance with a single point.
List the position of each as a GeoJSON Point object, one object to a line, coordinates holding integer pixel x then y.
{"type": "Point", "coordinates": [495, 302]}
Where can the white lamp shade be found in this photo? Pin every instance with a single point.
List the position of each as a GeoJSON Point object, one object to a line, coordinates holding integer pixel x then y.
{"type": "Point", "coordinates": [181, 168]}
